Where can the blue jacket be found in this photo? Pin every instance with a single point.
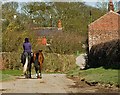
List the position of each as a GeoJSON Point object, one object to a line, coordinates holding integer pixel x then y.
{"type": "Point", "coordinates": [27, 47]}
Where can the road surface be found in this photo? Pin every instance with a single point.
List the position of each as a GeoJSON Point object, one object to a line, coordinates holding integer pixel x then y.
{"type": "Point", "coordinates": [50, 83]}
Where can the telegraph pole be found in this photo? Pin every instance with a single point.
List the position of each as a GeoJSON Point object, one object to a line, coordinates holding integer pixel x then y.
{"type": "Point", "coordinates": [90, 16]}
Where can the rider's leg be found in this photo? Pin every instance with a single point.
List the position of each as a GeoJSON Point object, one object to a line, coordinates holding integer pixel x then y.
{"type": "Point", "coordinates": [22, 57]}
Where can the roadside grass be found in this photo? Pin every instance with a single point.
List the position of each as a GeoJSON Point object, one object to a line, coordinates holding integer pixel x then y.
{"type": "Point", "coordinates": [101, 75]}
{"type": "Point", "coordinates": [7, 75]}
{"type": "Point", "coordinates": [6, 78]}
{"type": "Point", "coordinates": [12, 72]}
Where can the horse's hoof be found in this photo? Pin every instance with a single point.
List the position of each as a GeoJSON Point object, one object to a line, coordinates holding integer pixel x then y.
{"type": "Point", "coordinates": [26, 77]}
{"type": "Point", "coordinates": [30, 77]}
{"type": "Point", "coordinates": [38, 76]}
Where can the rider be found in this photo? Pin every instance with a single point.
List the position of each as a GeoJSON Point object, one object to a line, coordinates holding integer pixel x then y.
{"type": "Point", "coordinates": [27, 49]}
{"type": "Point", "coordinates": [27, 45]}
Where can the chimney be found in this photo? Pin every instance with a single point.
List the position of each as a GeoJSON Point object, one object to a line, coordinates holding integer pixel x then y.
{"type": "Point", "coordinates": [118, 5]}
{"type": "Point", "coordinates": [110, 6]}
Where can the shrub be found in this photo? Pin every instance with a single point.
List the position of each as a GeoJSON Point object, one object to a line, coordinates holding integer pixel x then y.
{"type": "Point", "coordinates": [11, 60]}
{"type": "Point", "coordinates": [12, 41]}
{"type": "Point", "coordinates": [58, 63]}
{"type": "Point", "coordinates": [64, 43]}
{"type": "Point", "coordinates": [105, 54]}
{"type": "Point", "coordinates": [53, 62]}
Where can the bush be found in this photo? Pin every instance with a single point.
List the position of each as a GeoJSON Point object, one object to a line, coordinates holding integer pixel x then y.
{"type": "Point", "coordinates": [53, 62]}
{"type": "Point", "coordinates": [11, 60]}
{"type": "Point", "coordinates": [64, 43]}
{"type": "Point", "coordinates": [106, 55]}
{"type": "Point", "coordinates": [58, 63]}
{"type": "Point", "coordinates": [13, 41]}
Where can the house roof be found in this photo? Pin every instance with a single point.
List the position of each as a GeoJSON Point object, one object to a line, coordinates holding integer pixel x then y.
{"type": "Point", "coordinates": [116, 13]}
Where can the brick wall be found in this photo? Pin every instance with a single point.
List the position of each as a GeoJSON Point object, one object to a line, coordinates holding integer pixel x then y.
{"type": "Point", "coordinates": [97, 37]}
{"type": "Point", "coordinates": [105, 29]}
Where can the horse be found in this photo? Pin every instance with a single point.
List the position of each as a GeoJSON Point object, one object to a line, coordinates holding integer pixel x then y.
{"type": "Point", "coordinates": [27, 65]}
{"type": "Point", "coordinates": [38, 60]}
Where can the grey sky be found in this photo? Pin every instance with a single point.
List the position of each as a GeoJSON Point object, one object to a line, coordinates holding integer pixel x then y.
{"type": "Point", "coordinates": [88, 2]}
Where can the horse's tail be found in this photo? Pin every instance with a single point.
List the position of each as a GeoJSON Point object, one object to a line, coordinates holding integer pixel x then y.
{"type": "Point", "coordinates": [25, 66]}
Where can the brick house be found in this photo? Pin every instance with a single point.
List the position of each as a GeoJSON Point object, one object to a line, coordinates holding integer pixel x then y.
{"type": "Point", "coordinates": [104, 29]}
{"type": "Point", "coordinates": [104, 40]}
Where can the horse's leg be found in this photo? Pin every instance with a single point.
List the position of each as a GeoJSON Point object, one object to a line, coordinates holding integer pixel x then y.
{"type": "Point", "coordinates": [39, 75]}
{"type": "Point", "coordinates": [36, 70]}
{"type": "Point", "coordinates": [25, 67]}
{"type": "Point", "coordinates": [29, 67]}
{"type": "Point", "coordinates": [40, 70]}
{"type": "Point", "coordinates": [27, 73]}
{"type": "Point", "coordinates": [36, 67]}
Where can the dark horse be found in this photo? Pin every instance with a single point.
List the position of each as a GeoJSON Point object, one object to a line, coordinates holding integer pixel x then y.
{"type": "Point", "coordinates": [27, 65]}
{"type": "Point", "coordinates": [38, 60]}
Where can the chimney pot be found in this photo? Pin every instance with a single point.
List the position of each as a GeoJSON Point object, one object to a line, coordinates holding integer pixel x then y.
{"type": "Point", "coordinates": [110, 5]}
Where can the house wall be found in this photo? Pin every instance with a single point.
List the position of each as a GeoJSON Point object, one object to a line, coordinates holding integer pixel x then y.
{"type": "Point", "coordinates": [97, 37]}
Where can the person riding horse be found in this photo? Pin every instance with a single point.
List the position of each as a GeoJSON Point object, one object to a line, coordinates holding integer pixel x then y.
{"type": "Point", "coordinates": [27, 52]}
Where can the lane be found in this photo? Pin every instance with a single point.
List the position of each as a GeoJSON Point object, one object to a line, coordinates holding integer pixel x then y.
{"type": "Point", "coordinates": [50, 83]}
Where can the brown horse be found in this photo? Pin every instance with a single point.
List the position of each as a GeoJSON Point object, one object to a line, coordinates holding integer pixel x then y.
{"type": "Point", "coordinates": [38, 60]}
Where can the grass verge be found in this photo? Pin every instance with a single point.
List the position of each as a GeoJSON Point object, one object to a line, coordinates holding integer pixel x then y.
{"type": "Point", "coordinates": [101, 75]}
{"type": "Point", "coordinates": [7, 75]}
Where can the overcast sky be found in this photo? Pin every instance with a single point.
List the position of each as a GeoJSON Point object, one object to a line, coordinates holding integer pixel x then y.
{"type": "Point", "coordinates": [88, 2]}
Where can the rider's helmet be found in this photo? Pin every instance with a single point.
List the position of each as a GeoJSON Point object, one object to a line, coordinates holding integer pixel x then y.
{"type": "Point", "coordinates": [26, 39]}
